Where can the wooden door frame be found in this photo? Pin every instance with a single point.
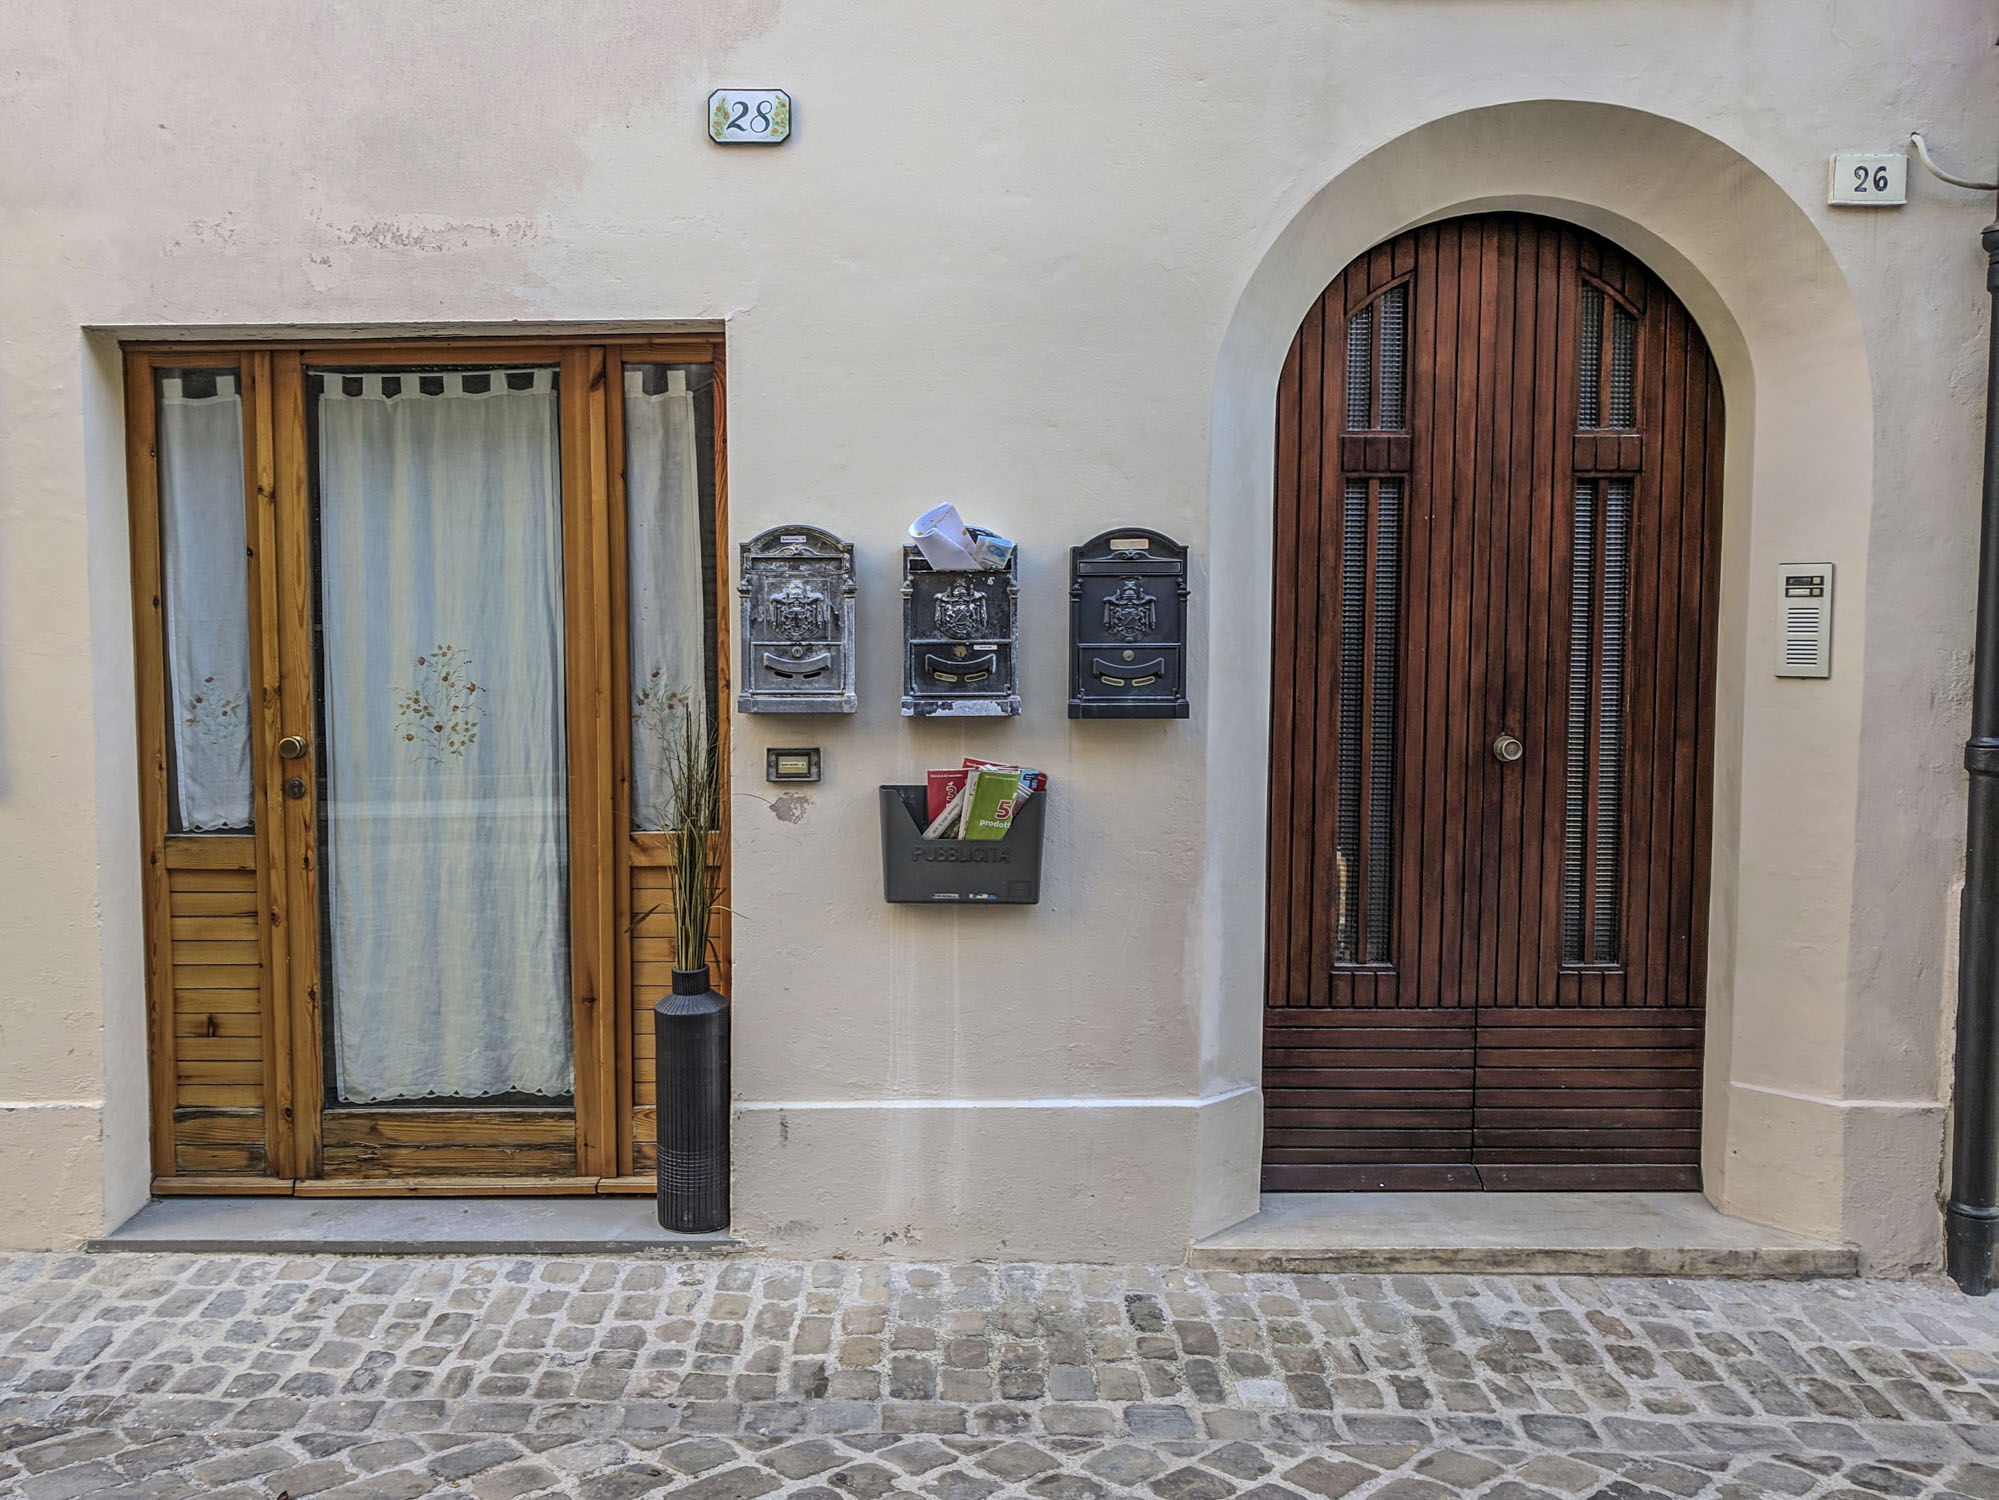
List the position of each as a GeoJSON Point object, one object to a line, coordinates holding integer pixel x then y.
{"type": "Point", "coordinates": [612, 1104]}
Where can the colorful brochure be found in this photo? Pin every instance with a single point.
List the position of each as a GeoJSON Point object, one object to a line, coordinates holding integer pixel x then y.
{"type": "Point", "coordinates": [978, 799]}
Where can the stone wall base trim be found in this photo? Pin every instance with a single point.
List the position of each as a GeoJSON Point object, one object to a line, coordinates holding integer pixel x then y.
{"type": "Point", "coordinates": [1097, 1181]}
{"type": "Point", "coordinates": [1866, 1172]}
{"type": "Point", "coordinates": [51, 1173]}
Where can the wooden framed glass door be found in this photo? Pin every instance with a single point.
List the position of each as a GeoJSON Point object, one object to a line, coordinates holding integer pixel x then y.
{"type": "Point", "coordinates": [402, 893]}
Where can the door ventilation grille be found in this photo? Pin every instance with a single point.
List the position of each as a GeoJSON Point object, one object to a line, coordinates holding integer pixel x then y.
{"type": "Point", "coordinates": [1610, 723]}
{"type": "Point", "coordinates": [1360, 370]}
{"type": "Point", "coordinates": [1381, 727]}
{"type": "Point", "coordinates": [1589, 405]}
{"type": "Point", "coordinates": [1377, 364]}
{"type": "Point", "coordinates": [1363, 834]}
{"type": "Point", "coordinates": [1593, 771]}
{"type": "Point", "coordinates": [1353, 663]}
{"type": "Point", "coordinates": [1394, 344]}
{"type": "Point", "coordinates": [1621, 358]}
{"type": "Point", "coordinates": [1575, 786]}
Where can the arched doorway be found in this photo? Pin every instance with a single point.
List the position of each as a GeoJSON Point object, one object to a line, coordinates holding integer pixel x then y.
{"type": "Point", "coordinates": [1498, 491]}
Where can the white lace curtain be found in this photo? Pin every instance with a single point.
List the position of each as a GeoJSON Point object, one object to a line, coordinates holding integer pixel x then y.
{"type": "Point", "coordinates": [446, 863]}
{"type": "Point", "coordinates": [663, 528]}
{"type": "Point", "coordinates": [206, 599]}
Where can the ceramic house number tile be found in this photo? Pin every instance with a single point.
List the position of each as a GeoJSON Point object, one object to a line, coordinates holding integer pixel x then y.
{"type": "Point", "coordinates": [749, 117]}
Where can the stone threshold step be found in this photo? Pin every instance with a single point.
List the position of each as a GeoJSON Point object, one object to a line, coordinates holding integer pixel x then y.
{"type": "Point", "coordinates": [407, 1226]}
{"type": "Point", "coordinates": [1554, 1234]}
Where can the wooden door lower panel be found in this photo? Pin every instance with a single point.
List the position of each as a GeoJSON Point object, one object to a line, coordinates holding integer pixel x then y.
{"type": "Point", "coordinates": [401, 1142]}
{"type": "Point", "coordinates": [220, 1029]}
{"type": "Point", "coordinates": [1509, 1100]}
{"type": "Point", "coordinates": [1367, 1099]}
{"type": "Point", "coordinates": [1607, 1099]}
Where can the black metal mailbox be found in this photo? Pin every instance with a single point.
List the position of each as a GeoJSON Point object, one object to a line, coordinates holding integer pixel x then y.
{"type": "Point", "coordinates": [960, 640]}
{"type": "Point", "coordinates": [1005, 871]}
{"type": "Point", "coordinates": [1128, 626]}
{"type": "Point", "coordinates": [797, 589]}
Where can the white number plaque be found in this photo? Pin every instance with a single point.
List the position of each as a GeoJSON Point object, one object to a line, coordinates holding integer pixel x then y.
{"type": "Point", "coordinates": [749, 117]}
{"type": "Point", "coordinates": [1871, 181]}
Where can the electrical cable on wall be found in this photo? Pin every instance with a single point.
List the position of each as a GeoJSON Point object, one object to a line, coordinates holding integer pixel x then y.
{"type": "Point", "coordinates": [1923, 155]}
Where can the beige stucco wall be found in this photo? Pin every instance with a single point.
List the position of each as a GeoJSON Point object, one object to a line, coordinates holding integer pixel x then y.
{"type": "Point", "coordinates": [1040, 260]}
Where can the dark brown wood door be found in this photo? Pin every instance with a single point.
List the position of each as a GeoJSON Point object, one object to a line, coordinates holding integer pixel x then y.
{"type": "Point", "coordinates": [1498, 502]}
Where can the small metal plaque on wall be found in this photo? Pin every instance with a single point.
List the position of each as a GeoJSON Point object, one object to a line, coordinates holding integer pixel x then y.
{"type": "Point", "coordinates": [749, 117]}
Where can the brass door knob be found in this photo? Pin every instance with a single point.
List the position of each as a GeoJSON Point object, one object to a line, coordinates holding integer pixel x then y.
{"type": "Point", "coordinates": [291, 747]}
{"type": "Point", "coordinates": [1507, 749]}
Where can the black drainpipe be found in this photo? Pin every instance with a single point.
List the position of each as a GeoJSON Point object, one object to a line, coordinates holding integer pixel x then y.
{"type": "Point", "coordinates": [1971, 1222]}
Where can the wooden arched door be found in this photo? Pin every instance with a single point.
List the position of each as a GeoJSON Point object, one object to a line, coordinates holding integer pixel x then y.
{"type": "Point", "coordinates": [1498, 491]}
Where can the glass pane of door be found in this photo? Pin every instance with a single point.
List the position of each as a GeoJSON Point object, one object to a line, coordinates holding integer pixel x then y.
{"type": "Point", "coordinates": [444, 866]}
{"type": "Point", "coordinates": [670, 567]}
{"type": "Point", "coordinates": [205, 598]}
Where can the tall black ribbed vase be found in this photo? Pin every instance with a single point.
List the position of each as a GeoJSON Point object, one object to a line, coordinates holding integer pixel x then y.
{"type": "Point", "coordinates": [691, 1036]}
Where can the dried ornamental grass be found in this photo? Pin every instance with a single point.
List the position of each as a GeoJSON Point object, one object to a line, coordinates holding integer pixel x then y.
{"type": "Point", "coordinates": [693, 812]}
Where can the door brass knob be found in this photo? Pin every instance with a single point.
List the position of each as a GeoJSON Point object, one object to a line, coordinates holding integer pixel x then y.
{"type": "Point", "coordinates": [291, 747]}
{"type": "Point", "coordinates": [1507, 749]}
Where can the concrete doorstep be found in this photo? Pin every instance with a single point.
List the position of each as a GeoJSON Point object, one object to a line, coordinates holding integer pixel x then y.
{"type": "Point", "coordinates": [407, 1226]}
{"type": "Point", "coordinates": [1596, 1234]}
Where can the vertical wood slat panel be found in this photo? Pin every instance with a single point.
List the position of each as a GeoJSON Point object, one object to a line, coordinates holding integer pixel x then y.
{"type": "Point", "coordinates": [1434, 876]}
{"type": "Point", "coordinates": [1540, 270]}
{"type": "Point", "coordinates": [1561, 393]}
{"type": "Point", "coordinates": [586, 595]}
{"type": "Point", "coordinates": [1492, 641]}
{"type": "Point", "coordinates": [299, 989]}
{"type": "Point", "coordinates": [1648, 584]}
{"type": "Point", "coordinates": [1690, 715]}
{"type": "Point", "coordinates": [1465, 716]}
{"type": "Point", "coordinates": [1515, 493]}
{"type": "Point", "coordinates": [1655, 585]}
{"type": "Point", "coordinates": [1311, 834]}
{"type": "Point", "coordinates": [1282, 905]}
{"type": "Point", "coordinates": [1412, 718]}
{"type": "Point", "coordinates": [1693, 991]}
{"type": "Point", "coordinates": [618, 751]}
{"type": "Point", "coordinates": [260, 469]}
{"type": "Point", "coordinates": [1673, 698]}
{"type": "Point", "coordinates": [1352, 987]}
{"type": "Point", "coordinates": [149, 656]}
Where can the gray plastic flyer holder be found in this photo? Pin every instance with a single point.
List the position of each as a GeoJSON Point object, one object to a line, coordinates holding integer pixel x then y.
{"type": "Point", "coordinates": [1004, 871]}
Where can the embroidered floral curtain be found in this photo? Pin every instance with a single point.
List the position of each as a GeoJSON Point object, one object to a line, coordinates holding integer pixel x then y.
{"type": "Point", "coordinates": [445, 862]}
{"type": "Point", "coordinates": [206, 598]}
{"type": "Point", "coordinates": [669, 631]}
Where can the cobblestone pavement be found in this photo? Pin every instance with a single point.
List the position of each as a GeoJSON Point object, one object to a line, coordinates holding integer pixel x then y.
{"type": "Point", "coordinates": [235, 1378]}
